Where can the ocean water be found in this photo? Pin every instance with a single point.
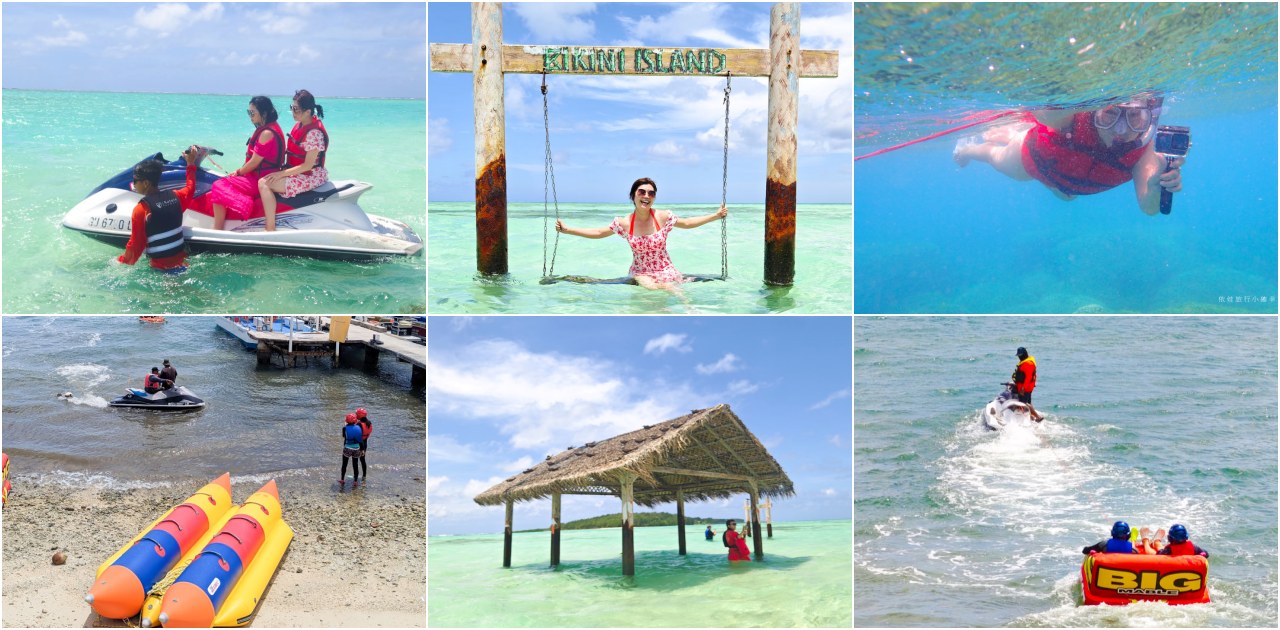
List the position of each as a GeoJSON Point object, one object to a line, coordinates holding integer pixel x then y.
{"type": "Point", "coordinates": [260, 423]}
{"type": "Point", "coordinates": [1152, 420]}
{"type": "Point", "coordinates": [823, 280]}
{"type": "Point", "coordinates": [932, 237]}
{"type": "Point", "coordinates": [60, 145]}
{"type": "Point", "coordinates": [803, 581]}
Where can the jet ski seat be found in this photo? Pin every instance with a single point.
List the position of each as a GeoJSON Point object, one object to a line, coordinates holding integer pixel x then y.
{"type": "Point", "coordinates": [312, 197]}
{"type": "Point", "coordinates": [138, 392]}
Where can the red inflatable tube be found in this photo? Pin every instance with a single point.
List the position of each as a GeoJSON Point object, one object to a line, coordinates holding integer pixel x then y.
{"type": "Point", "coordinates": [1120, 578]}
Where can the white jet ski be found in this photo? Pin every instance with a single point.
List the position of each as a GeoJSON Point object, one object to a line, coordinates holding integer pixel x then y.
{"type": "Point", "coordinates": [324, 223]}
{"type": "Point", "coordinates": [177, 398]}
{"type": "Point", "coordinates": [1006, 410]}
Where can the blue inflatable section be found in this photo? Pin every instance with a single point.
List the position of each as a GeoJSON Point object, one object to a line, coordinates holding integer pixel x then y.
{"type": "Point", "coordinates": [207, 572]}
{"type": "Point", "coordinates": [145, 562]}
{"type": "Point", "coordinates": [173, 177]}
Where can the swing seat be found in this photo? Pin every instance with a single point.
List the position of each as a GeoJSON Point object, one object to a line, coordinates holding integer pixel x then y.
{"type": "Point", "coordinates": [622, 280]}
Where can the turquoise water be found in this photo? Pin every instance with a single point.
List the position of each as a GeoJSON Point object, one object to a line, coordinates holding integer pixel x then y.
{"type": "Point", "coordinates": [803, 582]}
{"type": "Point", "coordinates": [823, 280]}
{"type": "Point", "coordinates": [1153, 420]}
{"type": "Point", "coordinates": [60, 145]}
{"type": "Point", "coordinates": [935, 238]}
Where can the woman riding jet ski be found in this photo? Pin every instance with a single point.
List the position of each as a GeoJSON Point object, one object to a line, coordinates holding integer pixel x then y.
{"type": "Point", "coordinates": [1006, 409]}
{"type": "Point", "coordinates": [326, 222]}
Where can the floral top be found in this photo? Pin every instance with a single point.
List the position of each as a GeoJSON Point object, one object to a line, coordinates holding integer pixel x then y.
{"type": "Point", "coordinates": [649, 252]}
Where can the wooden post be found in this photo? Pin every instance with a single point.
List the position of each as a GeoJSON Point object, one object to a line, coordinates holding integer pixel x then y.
{"type": "Point", "coordinates": [768, 516]}
{"type": "Point", "coordinates": [555, 529]}
{"type": "Point", "coordinates": [419, 376]}
{"type": "Point", "coordinates": [755, 522]}
{"type": "Point", "coordinates": [371, 358]}
{"type": "Point", "coordinates": [746, 518]}
{"type": "Point", "coordinates": [264, 353]}
{"type": "Point", "coordinates": [628, 525]}
{"type": "Point", "coordinates": [491, 138]}
{"type": "Point", "coordinates": [506, 539]}
{"type": "Point", "coordinates": [680, 519]}
{"type": "Point", "coordinates": [780, 169]}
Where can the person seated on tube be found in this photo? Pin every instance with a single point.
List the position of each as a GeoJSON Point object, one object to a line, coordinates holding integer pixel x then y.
{"type": "Point", "coordinates": [1179, 545]}
{"type": "Point", "coordinates": [156, 228]}
{"type": "Point", "coordinates": [1081, 152]}
{"type": "Point", "coordinates": [646, 231]}
{"type": "Point", "coordinates": [1119, 542]}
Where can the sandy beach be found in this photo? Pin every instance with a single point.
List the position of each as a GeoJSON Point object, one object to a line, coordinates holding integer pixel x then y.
{"type": "Point", "coordinates": [355, 561]}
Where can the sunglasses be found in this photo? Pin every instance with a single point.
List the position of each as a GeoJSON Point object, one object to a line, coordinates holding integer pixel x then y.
{"type": "Point", "coordinates": [295, 109]}
{"type": "Point", "coordinates": [646, 193]}
{"type": "Point", "coordinates": [1137, 119]}
{"type": "Point", "coordinates": [251, 113]}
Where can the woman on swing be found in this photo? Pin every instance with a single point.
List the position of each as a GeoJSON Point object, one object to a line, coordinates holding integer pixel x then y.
{"type": "Point", "coordinates": [646, 231]}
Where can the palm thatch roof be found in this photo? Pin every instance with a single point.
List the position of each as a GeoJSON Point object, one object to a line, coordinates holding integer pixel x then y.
{"type": "Point", "coordinates": [714, 443]}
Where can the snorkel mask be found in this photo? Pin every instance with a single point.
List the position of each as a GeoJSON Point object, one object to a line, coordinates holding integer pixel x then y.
{"type": "Point", "coordinates": [1138, 115]}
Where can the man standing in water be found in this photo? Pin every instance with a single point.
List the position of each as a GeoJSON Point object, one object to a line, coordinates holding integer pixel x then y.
{"type": "Point", "coordinates": [1076, 152]}
{"type": "Point", "coordinates": [1024, 381]}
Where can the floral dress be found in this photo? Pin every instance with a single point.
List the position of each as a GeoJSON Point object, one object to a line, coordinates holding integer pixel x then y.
{"type": "Point", "coordinates": [313, 178]}
{"type": "Point", "coordinates": [649, 252]}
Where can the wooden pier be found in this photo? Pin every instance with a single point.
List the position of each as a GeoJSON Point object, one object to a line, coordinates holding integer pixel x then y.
{"type": "Point", "coordinates": [361, 343]}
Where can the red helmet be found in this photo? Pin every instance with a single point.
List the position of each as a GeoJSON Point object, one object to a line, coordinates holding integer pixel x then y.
{"type": "Point", "coordinates": [361, 413]}
{"type": "Point", "coordinates": [351, 418]}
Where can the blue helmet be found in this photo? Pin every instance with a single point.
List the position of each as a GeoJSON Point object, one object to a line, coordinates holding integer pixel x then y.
{"type": "Point", "coordinates": [1120, 530]}
{"type": "Point", "coordinates": [1177, 534]}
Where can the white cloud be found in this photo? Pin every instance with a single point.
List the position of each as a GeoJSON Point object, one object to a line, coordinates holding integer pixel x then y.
{"type": "Point", "coordinates": [557, 23]}
{"type": "Point", "coordinates": [286, 25]}
{"type": "Point", "coordinates": [742, 388]}
{"type": "Point", "coordinates": [844, 393]}
{"type": "Point", "coordinates": [167, 19]}
{"type": "Point", "coordinates": [519, 465]}
{"type": "Point", "coordinates": [672, 151]}
{"type": "Point", "coordinates": [68, 37]}
{"type": "Point", "coordinates": [434, 483]}
{"type": "Point", "coordinates": [828, 492]}
{"type": "Point", "coordinates": [836, 440]}
{"type": "Point", "coordinates": [727, 363]}
{"type": "Point", "coordinates": [445, 448]}
{"type": "Point", "coordinates": [476, 486]}
{"type": "Point", "coordinates": [689, 23]}
{"type": "Point", "coordinates": [547, 399]}
{"type": "Point", "coordinates": [446, 498]}
{"type": "Point", "coordinates": [669, 341]}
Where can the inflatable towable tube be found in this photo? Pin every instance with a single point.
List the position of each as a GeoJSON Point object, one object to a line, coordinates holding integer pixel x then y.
{"type": "Point", "coordinates": [1120, 578]}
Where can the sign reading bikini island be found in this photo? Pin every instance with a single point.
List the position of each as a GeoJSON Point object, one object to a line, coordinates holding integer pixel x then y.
{"type": "Point", "coordinates": [603, 60]}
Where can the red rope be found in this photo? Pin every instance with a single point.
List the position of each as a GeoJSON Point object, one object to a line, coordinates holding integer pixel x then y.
{"type": "Point", "coordinates": [939, 134]}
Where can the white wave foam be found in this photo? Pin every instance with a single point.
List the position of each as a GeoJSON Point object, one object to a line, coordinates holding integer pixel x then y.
{"type": "Point", "coordinates": [96, 481]}
{"type": "Point", "coordinates": [84, 375]}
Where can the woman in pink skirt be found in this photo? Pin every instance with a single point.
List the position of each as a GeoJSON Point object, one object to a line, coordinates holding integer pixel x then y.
{"type": "Point", "coordinates": [307, 144]}
{"type": "Point", "coordinates": [234, 194]}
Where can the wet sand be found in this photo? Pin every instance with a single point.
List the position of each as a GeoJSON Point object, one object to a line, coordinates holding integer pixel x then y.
{"type": "Point", "coordinates": [355, 561]}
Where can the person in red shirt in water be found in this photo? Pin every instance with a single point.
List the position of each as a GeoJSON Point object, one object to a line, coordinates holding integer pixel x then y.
{"type": "Point", "coordinates": [1075, 152]}
{"type": "Point", "coordinates": [737, 544]}
{"type": "Point", "coordinates": [156, 228]}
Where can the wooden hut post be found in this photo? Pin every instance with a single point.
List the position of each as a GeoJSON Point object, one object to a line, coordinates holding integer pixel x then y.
{"type": "Point", "coordinates": [506, 539]}
{"type": "Point", "coordinates": [680, 519]}
{"type": "Point", "coordinates": [628, 524]}
{"type": "Point", "coordinates": [746, 518]}
{"type": "Point", "coordinates": [491, 138]}
{"type": "Point", "coordinates": [780, 168]}
{"type": "Point", "coordinates": [768, 516]}
{"type": "Point", "coordinates": [755, 521]}
{"type": "Point", "coordinates": [555, 529]}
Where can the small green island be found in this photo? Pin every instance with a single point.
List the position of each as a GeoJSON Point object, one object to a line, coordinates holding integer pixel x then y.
{"type": "Point", "coordinates": [642, 519]}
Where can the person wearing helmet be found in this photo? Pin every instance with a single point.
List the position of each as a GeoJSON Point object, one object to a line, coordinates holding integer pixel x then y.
{"type": "Point", "coordinates": [1082, 151]}
{"type": "Point", "coordinates": [351, 435]}
{"type": "Point", "coordinates": [366, 427]}
{"type": "Point", "coordinates": [1179, 545]}
{"type": "Point", "coordinates": [1024, 381]}
{"type": "Point", "coordinates": [1119, 542]}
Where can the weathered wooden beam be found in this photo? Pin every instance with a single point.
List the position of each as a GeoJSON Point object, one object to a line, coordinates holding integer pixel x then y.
{"type": "Point", "coordinates": [780, 169]}
{"type": "Point", "coordinates": [506, 538]}
{"type": "Point", "coordinates": [680, 519]}
{"type": "Point", "coordinates": [491, 138]}
{"type": "Point", "coordinates": [698, 473]}
{"type": "Point", "coordinates": [755, 522]}
{"type": "Point", "coordinates": [628, 525]}
{"type": "Point", "coordinates": [555, 529]}
{"type": "Point", "coordinates": [636, 61]}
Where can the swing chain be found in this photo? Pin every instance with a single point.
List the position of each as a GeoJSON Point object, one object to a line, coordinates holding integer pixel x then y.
{"type": "Point", "coordinates": [548, 185]}
{"type": "Point", "coordinates": [724, 184]}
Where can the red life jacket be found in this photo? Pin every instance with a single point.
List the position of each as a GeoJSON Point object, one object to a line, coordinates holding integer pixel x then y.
{"type": "Point", "coordinates": [267, 165]}
{"type": "Point", "coordinates": [1185, 548]}
{"type": "Point", "coordinates": [1028, 369]}
{"type": "Point", "coordinates": [295, 153]}
{"type": "Point", "coordinates": [1078, 162]}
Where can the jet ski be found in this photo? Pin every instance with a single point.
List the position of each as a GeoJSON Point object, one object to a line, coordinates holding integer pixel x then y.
{"type": "Point", "coordinates": [1004, 410]}
{"type": "Point", "coordinates": [324, 223]}
{"type": "Point", "coordinates": [176, 398]}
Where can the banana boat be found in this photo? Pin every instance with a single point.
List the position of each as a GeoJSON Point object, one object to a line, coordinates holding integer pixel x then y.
{"type": "Point", "coordinates": [123, 581]}
{"type": "Point", "coordinates": [223, 584]}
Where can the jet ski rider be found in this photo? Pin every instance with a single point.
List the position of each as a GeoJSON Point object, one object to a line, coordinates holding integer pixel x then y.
{"type": "Point", "coordinates": [153, 382]}
{"type": "Point", "coordinates": [156, 227]}
{"type": "Point", "coordinates": [1024, 381]}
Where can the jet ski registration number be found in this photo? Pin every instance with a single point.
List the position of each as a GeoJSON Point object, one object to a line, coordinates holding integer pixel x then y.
{"type": "Point", "coordinates": [110, 223]}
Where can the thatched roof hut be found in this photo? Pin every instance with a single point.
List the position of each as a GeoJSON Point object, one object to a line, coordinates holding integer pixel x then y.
{"type": "Point", "coordinates": [706, 454]}
{"type": "Point", "coordinates": [662, 456]}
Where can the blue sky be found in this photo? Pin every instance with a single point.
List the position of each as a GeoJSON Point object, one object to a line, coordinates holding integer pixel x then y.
{"type": "Point", "coordinates": [352, 50]}
{"type": "Point", "coordinates": [504, 392]}
{"type": "Point", "coordinates": [607, 131]}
